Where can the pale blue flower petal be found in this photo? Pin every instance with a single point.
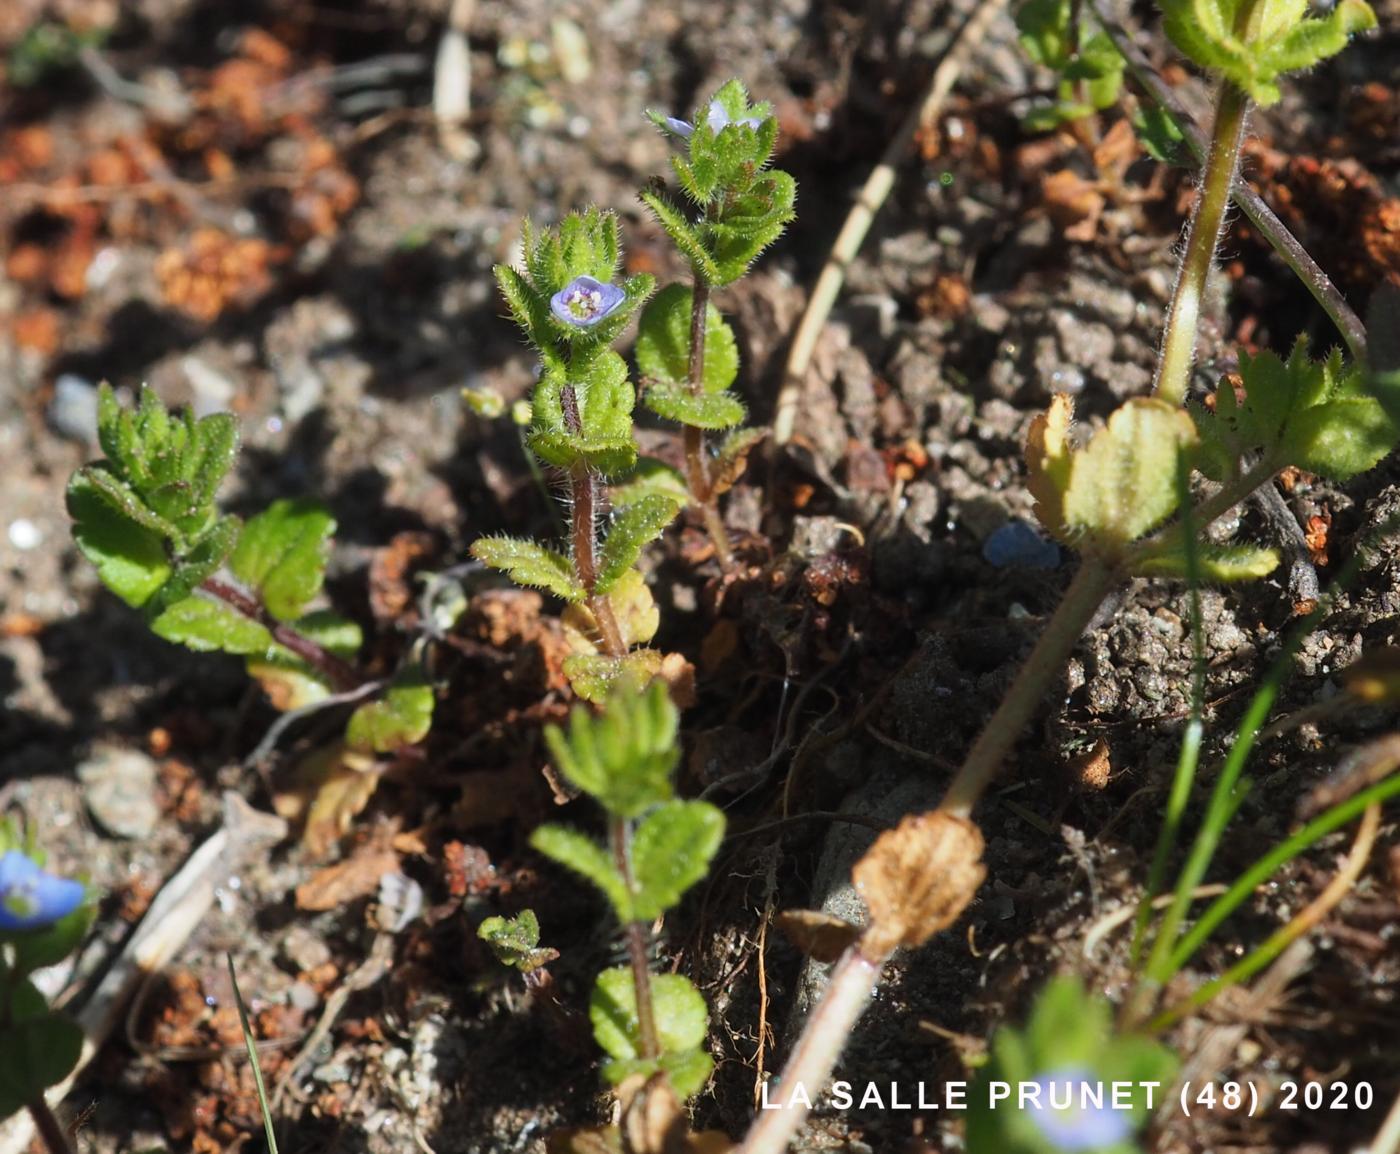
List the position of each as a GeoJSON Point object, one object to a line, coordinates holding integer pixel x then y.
{"type": "Point", "coordinates": [1075, 1129]}
{"type": "Point", "coordinates": [584, 301]}
{"type": "Point", "coordinates": [32, 898]}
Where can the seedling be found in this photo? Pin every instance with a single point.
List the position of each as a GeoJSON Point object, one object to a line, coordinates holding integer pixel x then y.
{"type": "Point", "coordinates": [147, 517]}
{"type": "Point", "coordinates": [658, 848]}
{"type": "Point", "coordinates": [685, 349]}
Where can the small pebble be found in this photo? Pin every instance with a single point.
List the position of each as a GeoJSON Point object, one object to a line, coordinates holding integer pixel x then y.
{"type": "Point", "coordinates": [119, 787]}
{"type": "Point", "coordinates": [1018, 544]}
{"type": "Point", "coordinates": [25, 535]}
{"type": "Point", "coordinates": [73, 410]}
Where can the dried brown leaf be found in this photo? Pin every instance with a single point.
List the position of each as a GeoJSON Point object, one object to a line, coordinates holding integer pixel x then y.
{"type": "Point", "coordinates": [917, 879]}
{"type": "Point", "coordinates": [356, 877]}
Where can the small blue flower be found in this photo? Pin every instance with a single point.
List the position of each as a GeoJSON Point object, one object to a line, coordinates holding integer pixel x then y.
{"type": "Point", "coordinates": [1072, 1122]}
{"type": "Point", "coordinates": [1017, 543]}
{"type": "Point", "coordinates": [32, 898]}
{"type": "Point", "coordinates": [717, 119]}
{"type": "Point", "coordinates": [585, 301]}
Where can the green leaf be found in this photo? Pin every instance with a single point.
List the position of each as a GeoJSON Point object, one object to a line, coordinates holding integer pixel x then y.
{"type": "Point", "coordinates": [38, 1048]}
{"type": "Point", "coordinates": [47, 947]}
{"type": "Point", "coordinates": [623, 757]}
{"type": "Point", "coordinates": [671, 851]}
{"type": "Point", "coordinates": [651, 477]}
{"type": "Point", "coordinates": [516, 941]}
{"type": "Point", "coordinates": [400, 718]}
{"type": "Point", "coordinates": [205, 625]}
{"type": "Point", "coordinates": [683, 235]}
{"type": "Point", "coordinates": [663, 341]}
{"type": "Point", "coordinates": [632, 527]}
{"type": "Point", "coordinates": [1217, 563]}
{"type": "Point", "coordinates": [587, 858]}
{"type": "Point", "coordinates": [1322, 416]}
{"type": "Point", "coordinates": [1340, 439]}
{"type": "Point", "coordinates": [682, 1018]}
{"type": "Point", "coordinates": [687, 1071]}
{"type": "Point", "coordinates": [530, 564]}
{"type": "Point", "coordinates": [200, 562]}
{"type": "Point", "coordinates": [1117, 488]}
{"type": "Point", "coordinates": [130, 559]}
{"type": "Point", "coordinates": [707, 411]}
{"type": "Point", "coordinates": [593, 675]}
{"type": "Point", "coordinates": [282, 555]}
{"type": "Point", "coordinates": [1159, 135]}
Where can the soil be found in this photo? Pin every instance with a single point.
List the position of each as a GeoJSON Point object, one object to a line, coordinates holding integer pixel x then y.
{"type": "Point", "coordinates": [273, 223]}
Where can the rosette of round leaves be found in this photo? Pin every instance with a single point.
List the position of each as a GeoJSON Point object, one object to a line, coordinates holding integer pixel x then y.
{"type": "Point", "coordinates": [663, 356]}
{"type": "Point", "coordinates": [567, 304]}
{"type": "Point", "coordinates": [145, 516]}
{"type": "Point", "coordinates": [1121, 485]}
{"type": "Point", "coordinates": [1322, 416]}
{"type": "Point", "coordinates": [43, 918]}
{"type": "Point", "coordinates": [723, 171]}
{"type": "Point", "coordinates": [1068, 1042]}
{"type": "Point", "coordinates": [1251, 43]}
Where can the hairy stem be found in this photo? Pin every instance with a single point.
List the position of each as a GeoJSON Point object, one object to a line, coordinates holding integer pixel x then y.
{"type": "Point", "coordinates": [984, 761]}
{"type": "Point", "coordinates": [1222, 161]}
{"type": "Point", "coordinates": [1283, 242]}
{"type": "Point", "coordinates": [823, 1037]}
{"type": "Point", "coordinates": [339, 672]}
{"type": "Point", "coordinates": [697, 465]}
{"type": "Point", "coordinates": [47, 1125]}
{"type": "Point", "coordinates": [584, 485]}
{"type": "Point", "coordinates": [637, 934]}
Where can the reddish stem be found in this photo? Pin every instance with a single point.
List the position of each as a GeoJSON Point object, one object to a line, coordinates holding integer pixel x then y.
{"type": "Point", "coordinates": [341, 674]}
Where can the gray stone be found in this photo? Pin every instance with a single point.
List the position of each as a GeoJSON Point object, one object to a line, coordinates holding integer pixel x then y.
{"type": "Point", "coordinates": [119, 787]}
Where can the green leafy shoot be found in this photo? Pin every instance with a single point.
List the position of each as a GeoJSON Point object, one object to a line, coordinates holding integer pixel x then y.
{"type": "Point", "coordinates": [1322, 416]}
{"type": "Point", "coordinates": [145, 516]}
{"type": "Point", "coordinates": [1090, 74]}
{"type": "Point", "coordinates": [632, 528]}
{"type": "Point", "coordinates": [743, 205]}
{"type": "Point", "coordinates": [1252, 43]}
{"type": "Point", "coordinates": [625, 756]}
{"type": "Point", "coordinates": [516, 941]}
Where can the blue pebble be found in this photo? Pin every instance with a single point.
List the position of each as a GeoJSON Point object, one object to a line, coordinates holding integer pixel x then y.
{"type": "Point", "coordinates": [1018, 544]}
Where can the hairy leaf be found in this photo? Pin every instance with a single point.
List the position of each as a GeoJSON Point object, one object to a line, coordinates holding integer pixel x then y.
{"type": "Point", "coordinates": [203, 624]}
{"type": "Point", "coordinates": [671, 851]}
{"type": "Point", "coordinates": [1217, 563]}
{"type": "Point", "coordinates": [678, 1008]}
{"type": "Point", "coordinates": [623, 757]}
{"type": "Point", "coordinates": [530, 564]}
{"type": "Point", "coordinates": [131, 559]}
{"type": "Point", "coordinates": [706, 411]}
{"type": "Point", "coordinates": [282, 555]}
{"type": "Point", "coordinates": [663, 341]}
{"type": "Point", "coordinates": [632, 527]}
{"type": "Point", "coordinates": [400, 718]}
{"type": "Point", "coordinates": [586, 857]}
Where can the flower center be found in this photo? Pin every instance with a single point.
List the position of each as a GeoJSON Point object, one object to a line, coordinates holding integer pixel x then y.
{"type": "Point", "coordinates": [584, 304]}
{"type": "Point", "coordinates": [21, 900]}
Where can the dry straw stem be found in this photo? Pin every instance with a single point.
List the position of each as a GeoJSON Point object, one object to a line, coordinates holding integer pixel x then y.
{"type": "Point", "coordinates": [916, 880]}
{"type": "Point", "coordinates": [872, 197]}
